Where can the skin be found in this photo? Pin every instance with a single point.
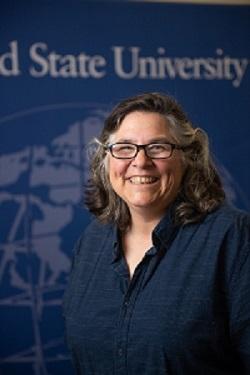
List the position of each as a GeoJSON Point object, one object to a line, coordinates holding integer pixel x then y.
{"type": "Point", "coordinates": [147, 185]}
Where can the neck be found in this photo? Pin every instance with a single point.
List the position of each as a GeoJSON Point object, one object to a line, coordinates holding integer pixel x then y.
{"type": "Point", "coordinates": [143, 224]}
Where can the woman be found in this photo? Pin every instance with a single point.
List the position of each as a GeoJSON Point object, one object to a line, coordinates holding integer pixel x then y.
{"type": "Point", "coordinates": [160, 282]}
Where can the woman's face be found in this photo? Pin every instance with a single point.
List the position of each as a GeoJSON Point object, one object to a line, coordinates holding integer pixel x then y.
{"type": "Point", "coordinates": [146, 185]}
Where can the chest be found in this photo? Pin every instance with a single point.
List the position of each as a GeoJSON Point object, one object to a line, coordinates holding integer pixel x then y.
{"type": "Point", "coordinates": [171, 302]}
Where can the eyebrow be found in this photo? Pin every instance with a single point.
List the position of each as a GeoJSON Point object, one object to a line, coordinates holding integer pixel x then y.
{"type": "Point", "coordinates": [162, 139]}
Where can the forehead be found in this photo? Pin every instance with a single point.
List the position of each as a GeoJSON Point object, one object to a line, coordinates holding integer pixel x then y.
{"type": "Point", "coordinates": [143, 125]}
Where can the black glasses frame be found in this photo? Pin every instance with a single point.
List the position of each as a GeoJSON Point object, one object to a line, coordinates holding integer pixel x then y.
{"type": "Point", "coordinates": [143, 147]}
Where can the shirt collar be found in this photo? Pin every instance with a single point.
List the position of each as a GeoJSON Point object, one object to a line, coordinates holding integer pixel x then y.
{"type": "Point", "coordinates": [162, 235]}
{"type": "Point", "coordinates": [116, 242]}
{"type": "Point", "coordinates": [166, 228]}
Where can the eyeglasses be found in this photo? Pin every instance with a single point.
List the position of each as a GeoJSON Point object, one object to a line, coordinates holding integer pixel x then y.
{"type": "Point", "coordinates": [122, 150]}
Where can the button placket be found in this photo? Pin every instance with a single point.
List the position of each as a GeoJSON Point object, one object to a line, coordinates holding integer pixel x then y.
{"type": "Point", "coordinates": [126, 314]}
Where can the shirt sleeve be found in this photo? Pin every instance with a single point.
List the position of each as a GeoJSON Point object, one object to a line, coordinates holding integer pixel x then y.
{"type": "Point", "coordinates": [85, 255]}
{"type": "Point", "coordinates": [239, 290]}
{"type": "Point", "coordinates": [68, 290]}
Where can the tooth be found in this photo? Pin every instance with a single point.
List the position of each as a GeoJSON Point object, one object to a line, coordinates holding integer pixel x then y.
{"type": "Point", "coordinates": [142, 180]}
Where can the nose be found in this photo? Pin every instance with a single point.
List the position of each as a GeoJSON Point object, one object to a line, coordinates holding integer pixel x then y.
{"type": "Point", "coordinates": [141, 159]}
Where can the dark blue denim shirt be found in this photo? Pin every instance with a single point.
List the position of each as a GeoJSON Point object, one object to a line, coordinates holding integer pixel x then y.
{"type": "Point", "coordinates": [186, 310]}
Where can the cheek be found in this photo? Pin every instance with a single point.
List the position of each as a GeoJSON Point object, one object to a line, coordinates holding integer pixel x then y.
{"type": "Point", "coordinates": [116, 169]}
{"type": "Point", "coordinates": [174, 171]}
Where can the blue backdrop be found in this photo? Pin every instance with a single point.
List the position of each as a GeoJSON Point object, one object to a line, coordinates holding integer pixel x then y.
{"type": "Point", "coordinates": [63, 65]}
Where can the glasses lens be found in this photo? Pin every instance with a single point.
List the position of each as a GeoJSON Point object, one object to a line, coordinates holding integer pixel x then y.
{"type": "Point", "coordinates": [123, 150]}
{"type": "Point", "coordinates": [159, 150]}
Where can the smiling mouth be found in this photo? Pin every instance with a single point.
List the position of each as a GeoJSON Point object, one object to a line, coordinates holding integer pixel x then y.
{"type": "Point", "coordinates": [142, 180]}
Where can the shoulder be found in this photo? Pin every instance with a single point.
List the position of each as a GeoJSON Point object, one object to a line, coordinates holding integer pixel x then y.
{"type": "Point", "coordinates": [93, 236]}
{"type": "Point", "coordinates": [233, 227]}
{"type": "Point", "coordinates": [226, 231]}
{"type": "Point", "coordinates": [227, 217]}
{"type": "Point", "coordinates": [96, 228]}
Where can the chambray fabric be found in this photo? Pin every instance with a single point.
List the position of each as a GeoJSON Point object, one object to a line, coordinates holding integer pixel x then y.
{"type": "Point", "coordinates": [186, 310]}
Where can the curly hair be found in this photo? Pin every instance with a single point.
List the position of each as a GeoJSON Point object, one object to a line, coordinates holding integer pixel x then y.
{"type": "Point", "coordinates": [201, 191]}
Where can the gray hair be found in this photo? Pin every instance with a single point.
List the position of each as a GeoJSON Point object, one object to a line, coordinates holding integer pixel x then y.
{"type": "Point", "coordinates": [201, 189]}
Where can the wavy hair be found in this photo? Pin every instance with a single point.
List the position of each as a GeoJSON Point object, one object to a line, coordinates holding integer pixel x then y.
{"type": "Point", "coordinates": [201, 190]}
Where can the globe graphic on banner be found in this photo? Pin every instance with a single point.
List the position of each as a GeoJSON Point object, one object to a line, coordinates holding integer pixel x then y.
{"type": "Point", "coordinates": [43, 172]}
{"type": "Point", "coordinates": [41, 184]}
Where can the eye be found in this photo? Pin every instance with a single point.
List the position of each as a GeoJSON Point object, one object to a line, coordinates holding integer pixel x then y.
{"type": "Point", "coordinates": [158, 148]}
{"type": "Point", "coordinates": [123, 150]}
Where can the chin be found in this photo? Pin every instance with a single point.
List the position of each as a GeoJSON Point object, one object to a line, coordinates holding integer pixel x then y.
{"type": "Point", "coordinates": [143, 205]}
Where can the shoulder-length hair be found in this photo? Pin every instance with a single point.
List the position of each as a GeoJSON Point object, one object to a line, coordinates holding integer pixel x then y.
{"type": "Point", "coordinates": [201, 190]}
